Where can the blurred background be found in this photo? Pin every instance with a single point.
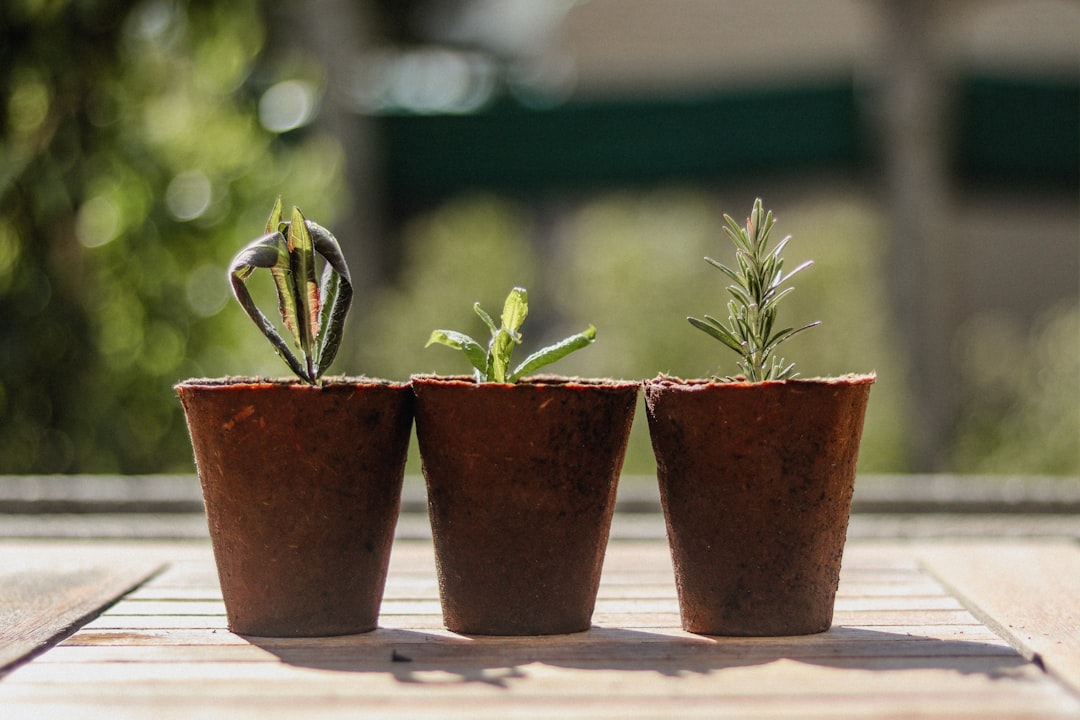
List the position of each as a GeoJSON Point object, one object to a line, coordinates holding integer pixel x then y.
{"type": "Point", "coordinates": [925, 154]}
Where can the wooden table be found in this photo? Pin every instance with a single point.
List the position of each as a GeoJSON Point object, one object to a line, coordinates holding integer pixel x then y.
{"type": "Point", "coordinates": [983, 626]}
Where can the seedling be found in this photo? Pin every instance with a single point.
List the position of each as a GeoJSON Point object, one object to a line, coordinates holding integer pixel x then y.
{"type": "Point", "coordinates": [313, 311]}
{"type": "Point", "coordinates": [493, 364]}
{"type": "Point", "coordinates": [755, 293]}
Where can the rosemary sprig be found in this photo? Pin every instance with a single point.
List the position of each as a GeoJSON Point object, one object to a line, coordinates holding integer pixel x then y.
{"type": "Point", "coordinates": [755, 293]}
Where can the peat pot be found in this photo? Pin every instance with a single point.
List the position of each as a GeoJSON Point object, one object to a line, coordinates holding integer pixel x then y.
{"type": "Point", "coordinates": [756, 483]}
{"type": "Point", "coordinates": [521, 484]}
{"type": "Point", "coordinates": [302, 487]}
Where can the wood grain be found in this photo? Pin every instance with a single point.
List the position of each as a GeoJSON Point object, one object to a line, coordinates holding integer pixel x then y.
{"type": "Point", "coordinates": [902, 645]}
{"type": "Point", "coordinates": [1029, 592]}
{"type": "Point", "coordinates": [46, 592]}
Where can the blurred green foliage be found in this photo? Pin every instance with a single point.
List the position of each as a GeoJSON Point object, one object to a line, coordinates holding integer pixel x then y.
{"type": "Point", "coordinates": [1021, 422]}
{"type": "Point", "coordinates": [132, 166]}
{"type": "Point", "coordinates": [632, 264]}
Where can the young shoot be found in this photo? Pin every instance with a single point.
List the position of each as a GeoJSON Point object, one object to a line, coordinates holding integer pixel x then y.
{"type": "Point", "coordinates": [755, 293]}
{"type": "Point", "coordinates": [312, 310]}
{"type": "Point", "coordinates": [493, 364]}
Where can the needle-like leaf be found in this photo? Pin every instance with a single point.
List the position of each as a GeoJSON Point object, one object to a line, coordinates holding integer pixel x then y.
{"type": "Point", "coordinates": [755, 293]}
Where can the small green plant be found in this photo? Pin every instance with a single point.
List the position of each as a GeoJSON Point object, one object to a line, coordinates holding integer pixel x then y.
{"type": "Point", "coordinates": [493, 364]}
{"type": "Point", "coordinates": [755, 294]}
{"type": "Point", "coordinates": [312, 310]}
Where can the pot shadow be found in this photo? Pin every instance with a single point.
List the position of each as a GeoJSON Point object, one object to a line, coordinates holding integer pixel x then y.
{"type": "Point", "coordinates": [441, 657]}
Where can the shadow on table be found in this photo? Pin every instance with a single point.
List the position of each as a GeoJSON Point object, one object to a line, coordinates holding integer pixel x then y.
{"type": "Point", "coordinates": [413, 656]}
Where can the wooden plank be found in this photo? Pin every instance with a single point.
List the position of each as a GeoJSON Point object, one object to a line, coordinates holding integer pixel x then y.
{"type": "Point", "coordinates": [441, 647]}
{"type": "Point", "coordinates": [1029, 592]}
{"type": "Point", "coordinates": [500, 688]}
{"type": "Point", "coordinates": [46, 592]}
{"type": "Point", "coordinates": [902, 646]}
{"type": "Point", "coordinates": [430, 621]}
{"type": "Point", "coordinates": [166, 637]}
{"type": "Point", "coordinates": [601, 707]}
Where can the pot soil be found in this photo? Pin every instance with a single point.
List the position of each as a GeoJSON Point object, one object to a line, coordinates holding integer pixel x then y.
{"type": "Point", "coordinates": [756, 483]}
{"type": "Point", "coordinates": [521, 486]}
{"type": "Point", "coordinates": [302, 487]}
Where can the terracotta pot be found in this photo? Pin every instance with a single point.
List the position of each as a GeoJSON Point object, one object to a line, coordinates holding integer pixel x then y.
{"type": "Point", "coordinates": [756, 483]}
{"type": "Point", "coordinates": [302, 487]}
{"type": "Point", "coordinates": [521, 486]}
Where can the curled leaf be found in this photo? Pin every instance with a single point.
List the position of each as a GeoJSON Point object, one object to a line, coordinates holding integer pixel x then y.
{"type": "Point", "coordinates": [312, 310]}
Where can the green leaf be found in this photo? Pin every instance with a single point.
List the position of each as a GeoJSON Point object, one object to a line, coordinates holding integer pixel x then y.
{"type": "Point", "coordinates": [754, 295]}
{"type": "Point", "coordinates": [719, 332]}
{"type": "Point", "coordinates": [737, 234]}
{"type": "Point", "coordinates": [784, 373]}
{"type": "Point", "coordinates": [777, 251]}
{"type": "Point", "coordinates": [268, 252]}
{"type": "Point", "coordinates": [486, 318]}
{"type": "Point", "coordinates": [768, 318]}
{"type": "Point", "coordinates": [329, 338]}
{"type": "Point", "coordinates": [306, 288]}
{"type": "Point", "coordinates": [335, 295]}
{"type": "Point", "coordinates": [775, 298]}
{"type": "Point", "coordinates": [791, 274]}
{"type": "Point", "coordinates": [273, 223]}
{"type": "Point", "coordinates": [551, 353]}
{"type": "Point", "coordinates": [515, 310]}
{"type": "Point", "coordinates": [473, 350]}
{"type": "Point", "coordinates": [716, 323]}
{"type": "Point", "coordinates": [721, 266]}
{"type": "Point", "coordinates": [493, 364]}
{"type": "Point", "coordinates": [281, 273]}
{"type": "Point", "coordinates": [500, 349]}
{"type": "Point", "coordinates": [786, 334]}
{"type": "Point", "coordinates": [312, 311]}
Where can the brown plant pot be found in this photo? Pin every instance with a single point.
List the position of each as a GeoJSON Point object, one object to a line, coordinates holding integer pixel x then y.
{"type": "Point", "coordinates": [302, 487]}
{"type": "Point", "coordinates": [521, 486]}
{"type": "Point", "coordinates": [756, 483]}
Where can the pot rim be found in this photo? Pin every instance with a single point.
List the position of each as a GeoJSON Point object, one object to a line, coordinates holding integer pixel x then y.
{"type": "Point", "coordinates": [532, 382]}
{"type": "Point", "coordinates": [258, 381]}
{"type": "Point", "coordinates": [665, 382]}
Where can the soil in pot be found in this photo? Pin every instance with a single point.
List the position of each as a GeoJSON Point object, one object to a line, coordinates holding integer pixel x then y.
{"type": "Point", "coordinates": [302, 487]}
{"type": "Point", "coordinates": [521, 488]}
{"type": "Point", "coordinates": [756, 482]}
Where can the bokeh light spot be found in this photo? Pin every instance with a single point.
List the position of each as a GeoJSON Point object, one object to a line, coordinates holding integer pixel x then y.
{"type": "Point", "coordinates": [287, 106]}
{"type": "Point", "coordinates": [188, 195]}
{"type": "Point", "coordinates": [207, 290]}
{"type": "Point", "coordinates": [98, 222]}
